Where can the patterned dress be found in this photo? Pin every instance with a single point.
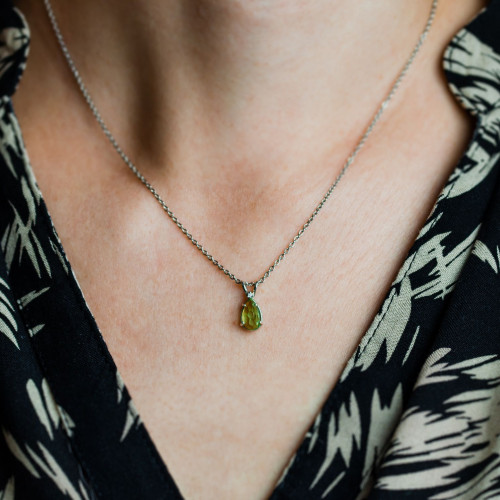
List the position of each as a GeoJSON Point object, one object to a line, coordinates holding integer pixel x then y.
{"type": "Point", "coordinates": [416, 412]}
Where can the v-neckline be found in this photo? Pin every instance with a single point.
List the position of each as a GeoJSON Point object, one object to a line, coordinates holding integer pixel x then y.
{"type": "Point", "coordinates": [109, 369]}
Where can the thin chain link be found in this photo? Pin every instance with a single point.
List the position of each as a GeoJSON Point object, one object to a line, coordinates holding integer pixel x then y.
{"type": "Point", "coordinates": [318, 208]}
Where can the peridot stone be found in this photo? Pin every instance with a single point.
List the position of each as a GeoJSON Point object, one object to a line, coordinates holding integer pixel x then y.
{"type": "Point", "coordinates": [251, 316]}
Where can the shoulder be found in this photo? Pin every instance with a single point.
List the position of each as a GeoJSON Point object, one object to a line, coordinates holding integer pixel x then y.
{"type": "Point", "coordinates": [472, 62]}
{"type": "Point", "coordinates": [14, 47]}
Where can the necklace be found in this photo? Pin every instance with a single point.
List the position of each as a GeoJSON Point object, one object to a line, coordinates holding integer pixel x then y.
{"type": "Point", "coordinates": [251, 315]}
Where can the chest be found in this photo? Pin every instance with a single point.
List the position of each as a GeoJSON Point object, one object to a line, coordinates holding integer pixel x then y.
{"type": "Point", "coordinates": [227, 408]}
{"type": "Point", "coordinates": [229, 404]}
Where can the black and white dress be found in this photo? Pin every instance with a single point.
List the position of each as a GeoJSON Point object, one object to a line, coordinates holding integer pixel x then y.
{"type": "Point", "coordinates": [416, 412]}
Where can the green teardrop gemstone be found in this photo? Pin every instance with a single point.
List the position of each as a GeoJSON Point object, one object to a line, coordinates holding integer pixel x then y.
{"type": "Point", "coordinates": [251, 317]}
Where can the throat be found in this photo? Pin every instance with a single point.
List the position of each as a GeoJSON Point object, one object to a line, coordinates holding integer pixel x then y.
{"type": "Point", "coordinates": [230, 87]}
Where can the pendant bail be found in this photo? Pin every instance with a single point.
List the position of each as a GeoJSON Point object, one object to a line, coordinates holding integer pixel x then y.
{"type": "Point", "coordinates": [249, 293]}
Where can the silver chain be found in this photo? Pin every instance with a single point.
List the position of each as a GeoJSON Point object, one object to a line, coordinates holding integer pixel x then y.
{"type": "Point", "coordinates": [141, 177]}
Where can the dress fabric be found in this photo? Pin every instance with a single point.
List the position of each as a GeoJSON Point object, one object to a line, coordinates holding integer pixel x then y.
{"type": "Point", "coordinates": [416, 412]}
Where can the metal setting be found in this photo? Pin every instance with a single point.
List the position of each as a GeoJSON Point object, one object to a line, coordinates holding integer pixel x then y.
{"type": "Point", "coordinates": [249, 293]}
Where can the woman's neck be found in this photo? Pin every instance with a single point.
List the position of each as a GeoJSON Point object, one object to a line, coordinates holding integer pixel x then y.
{"type": "Point", "coordinates": [246, 82]}
{"type": "Point", "coordinates": [197, 89]}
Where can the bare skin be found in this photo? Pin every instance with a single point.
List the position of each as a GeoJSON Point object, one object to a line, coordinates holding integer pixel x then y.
{"type": "Point", "coordinates": [241, 114]}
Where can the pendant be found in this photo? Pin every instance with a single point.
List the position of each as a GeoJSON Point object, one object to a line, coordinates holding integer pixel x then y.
{"type": "Point", "coordinates": [251, 316]}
